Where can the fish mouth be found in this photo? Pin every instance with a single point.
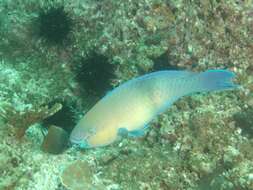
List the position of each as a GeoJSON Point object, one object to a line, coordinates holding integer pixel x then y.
{"type": "Point", "coordinates": [75, 139]}
{"type": "Point", "coordinates": [77, 136]}
{"type": "Point", "coordinates": [81, 143]}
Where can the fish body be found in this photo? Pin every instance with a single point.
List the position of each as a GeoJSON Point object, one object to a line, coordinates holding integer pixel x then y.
{"type": "Point", "coordinates": [131, 106]}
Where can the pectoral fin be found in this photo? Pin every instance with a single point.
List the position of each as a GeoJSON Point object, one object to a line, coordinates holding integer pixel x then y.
{"type": "Point", "coordinates": [138, 132]}
{"type": "Point", "coordinates": [124, 132]}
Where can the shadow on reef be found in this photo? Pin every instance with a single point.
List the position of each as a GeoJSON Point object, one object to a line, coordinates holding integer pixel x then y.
{"type": "Point", "coordinates": [64, 118]}
{"type": "Point", "coordinates": [214, 180]}
{"type": "Point", "coordinates": [165, 62]}
{"type": "Point", "coordinates": [244, 121]}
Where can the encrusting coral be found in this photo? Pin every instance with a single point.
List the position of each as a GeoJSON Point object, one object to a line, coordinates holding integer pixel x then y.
{"type": "Point", "coordinates": [20, 121]}
{"type": "Point", "coordinates": [79, 176]}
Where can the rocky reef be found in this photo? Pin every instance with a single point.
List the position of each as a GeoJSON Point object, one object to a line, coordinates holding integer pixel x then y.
{"type": "Point", "coordinates": [48, 80]}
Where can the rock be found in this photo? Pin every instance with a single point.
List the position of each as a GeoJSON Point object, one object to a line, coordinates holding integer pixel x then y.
{"type": "Point", "coordinates": [56, 140]}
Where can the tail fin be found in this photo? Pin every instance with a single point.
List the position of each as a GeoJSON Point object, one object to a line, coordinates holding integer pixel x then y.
{"type": "Point", "coordinates": [214, 80]}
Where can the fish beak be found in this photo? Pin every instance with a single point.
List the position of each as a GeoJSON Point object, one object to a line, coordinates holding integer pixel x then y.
{"type": "Point", "coordinates": [83, 144]}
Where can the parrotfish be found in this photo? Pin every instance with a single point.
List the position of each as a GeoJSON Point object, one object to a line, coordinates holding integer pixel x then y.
{"type": "Point", "coordinates": [129, 108]}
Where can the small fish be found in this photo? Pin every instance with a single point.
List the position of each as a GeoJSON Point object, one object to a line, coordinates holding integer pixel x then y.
{"type": "Point", "coordinates": [127, 110]}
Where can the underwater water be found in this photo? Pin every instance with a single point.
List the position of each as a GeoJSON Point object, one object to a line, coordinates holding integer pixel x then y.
{"type": "Point", "coordinates": [68, 122]}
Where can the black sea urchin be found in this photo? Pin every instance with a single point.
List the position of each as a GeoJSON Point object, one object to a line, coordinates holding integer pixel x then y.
{"type": "Point", "coordinates": [95, 73]}
{"type": "Point", "coordinates": [54, 24]}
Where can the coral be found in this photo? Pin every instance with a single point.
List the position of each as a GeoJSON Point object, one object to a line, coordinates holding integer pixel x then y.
{"type": "Point", "coordinates": [21, 120]}
{"type": "Point", "coordinates": [142, 167]}
{"type": "Point", "coordinates": [25, 82]}
{"type": "Point", "coordinates": [26, 92]}
{"type": "Point", "coordinates": [79, 176]}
